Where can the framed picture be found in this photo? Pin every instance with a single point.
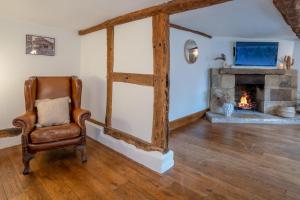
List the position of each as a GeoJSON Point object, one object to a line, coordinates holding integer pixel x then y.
{"type": "Point", "coordinates": [39, 45]}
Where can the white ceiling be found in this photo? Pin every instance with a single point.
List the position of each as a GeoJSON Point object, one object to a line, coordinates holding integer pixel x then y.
{"type": "Point", "coordinates": [239, 18]}
{"type": "Point", "coordinates": [70, 14]}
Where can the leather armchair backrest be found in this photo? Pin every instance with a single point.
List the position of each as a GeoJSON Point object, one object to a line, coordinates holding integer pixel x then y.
{"type": "Point", "coordinates": [76, 92]}
{"type": "Point", "coordinates": [30, 94]}
{"type": "Point", "coordinates": [51, 88]}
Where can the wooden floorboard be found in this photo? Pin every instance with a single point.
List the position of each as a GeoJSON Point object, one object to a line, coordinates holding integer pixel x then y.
{"type": "Point", "coordinates": [212, 161]}
{"type": "Point", "coordinates": [255, 161]}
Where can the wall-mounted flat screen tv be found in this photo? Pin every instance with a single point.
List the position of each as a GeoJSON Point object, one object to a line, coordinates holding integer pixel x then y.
{"type": "Point", "coordinates": [256, 53]}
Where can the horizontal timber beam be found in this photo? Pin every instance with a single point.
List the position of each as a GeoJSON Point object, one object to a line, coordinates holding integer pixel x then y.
{"type": "Point", "coordinates": [190, 30]}
{"type": "Point", "coordinates": [96, 122]}
{"type": "Point", "coordinates": [171, 7]}
{"type": "Point", "coordinates": [138, 79]}
{"type": "Point", "coordinates": [120, 135]}
{"type": "Point", "coordinates": [117, 134]}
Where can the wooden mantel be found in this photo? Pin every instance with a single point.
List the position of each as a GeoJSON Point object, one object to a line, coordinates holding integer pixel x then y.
{"type": "Point", "coordinates": [171, 7]}
{"type": "Point", "coordinates": [256, 71]}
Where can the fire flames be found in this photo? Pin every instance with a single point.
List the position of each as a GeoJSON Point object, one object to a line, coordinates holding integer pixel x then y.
{"type": "Point", "coordinates": [245, 102]}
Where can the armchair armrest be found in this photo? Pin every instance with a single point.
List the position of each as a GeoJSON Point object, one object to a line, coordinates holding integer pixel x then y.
{"type": "Point", "coordinates": [26, 122]}
{"type": "Point", "coordinates": [80, 115]}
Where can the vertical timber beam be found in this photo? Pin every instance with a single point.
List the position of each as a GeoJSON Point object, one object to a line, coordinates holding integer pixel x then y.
{"type": "Point", "coordinates": [161, 58]}
{"type": "Point", "coordinates": [110, 65]}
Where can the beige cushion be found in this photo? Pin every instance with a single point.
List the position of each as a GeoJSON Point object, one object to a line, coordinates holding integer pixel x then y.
{"type": "Point", "coordinates": [53, 112]}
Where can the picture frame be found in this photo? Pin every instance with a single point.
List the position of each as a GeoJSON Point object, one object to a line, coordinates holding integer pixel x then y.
{"type": "Point", "coordinates": [40, 45]}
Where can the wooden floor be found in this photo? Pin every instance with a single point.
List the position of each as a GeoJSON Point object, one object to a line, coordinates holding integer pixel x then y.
{"type": "Point", "coordinates": [212, 162]}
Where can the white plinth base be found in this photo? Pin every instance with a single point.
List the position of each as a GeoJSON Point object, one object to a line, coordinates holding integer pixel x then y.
{"type": "Point", "coordinates": [153, 160]}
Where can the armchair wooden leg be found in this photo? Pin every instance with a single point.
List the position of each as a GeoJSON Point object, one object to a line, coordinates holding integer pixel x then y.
{"type": "Point", "coordinates": [26, 161]}
{"type": "Point", "coordinates": [82, 150]}
{"type": "Point", "coordinates": [26, 156]}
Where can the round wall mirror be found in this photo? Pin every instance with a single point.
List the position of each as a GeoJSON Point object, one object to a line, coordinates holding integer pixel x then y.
{"type": "Point", "coordinates": [191, 51]}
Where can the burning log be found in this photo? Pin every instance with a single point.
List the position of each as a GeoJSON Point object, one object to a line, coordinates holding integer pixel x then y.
{"type": "Point", "coordinates": [246, 102]}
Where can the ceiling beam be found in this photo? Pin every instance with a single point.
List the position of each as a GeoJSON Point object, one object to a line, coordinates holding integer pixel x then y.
{"type": "Point", "coordinates": [190, 30]}
{"type": "Point", "coordinates": [290, 10]}
{"type": "Point", "coordinates": [171, 7]}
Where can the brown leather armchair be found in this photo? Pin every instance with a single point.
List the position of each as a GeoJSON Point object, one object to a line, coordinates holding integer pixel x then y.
{"type": "Point", "coordinates": [41, 139]}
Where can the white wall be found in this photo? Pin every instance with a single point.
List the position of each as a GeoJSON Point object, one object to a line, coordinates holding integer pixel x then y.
{"type": "Point", "coordinates": [225, 45]}
{"type": "Point", "coordinates": [297, 61]}
{"type": "Point", "coordinates": [93, 70]}
{"type": "Point", "coordinates": [16, 66]}
{"type": "Point", "coordinates": [132, 108]}
{"type": "Point", "coordinates": [189, 83]}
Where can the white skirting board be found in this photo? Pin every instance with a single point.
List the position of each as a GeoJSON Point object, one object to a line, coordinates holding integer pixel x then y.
{"type": "Point", "coordinates": [10, 141]}
{"type": "Point", "coordinates": [153, 160]}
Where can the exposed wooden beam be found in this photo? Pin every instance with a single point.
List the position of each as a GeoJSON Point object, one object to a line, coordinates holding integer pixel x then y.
{"type": "Point", "coordinates": [178, 6]}
{"type": "Point", "coordinates": [97, 122]}
{"type": "Point", "coordinates": [171, 7]}
{"type": "Point", "coordinates": [110, 64]}
{"type": "Point", "coordinates": [117, 134]}
{"type": "Point", "coordinates": [190, 30]}
{"type": "Point", "coordinates": [138, 79]}
{"type": "Point", "coordinates": [290, 10]}
{"type": "Point", "coordinates": [120, 135]}
{"type": "Point", "coordinates": [161, 60]}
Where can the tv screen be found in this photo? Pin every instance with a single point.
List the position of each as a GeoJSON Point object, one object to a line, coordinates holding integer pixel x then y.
{"type": "Point", "coordinates": [256, 53]}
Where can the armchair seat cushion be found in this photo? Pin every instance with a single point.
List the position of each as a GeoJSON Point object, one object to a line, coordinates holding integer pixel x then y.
{"type": "Point", "coordinates": [55, 133]}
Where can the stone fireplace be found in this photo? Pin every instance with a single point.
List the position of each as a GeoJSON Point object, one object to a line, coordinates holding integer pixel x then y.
{"type": "Point", "coordinates": [262, 90]}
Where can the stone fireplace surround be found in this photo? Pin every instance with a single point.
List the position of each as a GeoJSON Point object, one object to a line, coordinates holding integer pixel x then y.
{"type": "Point", "coordinates": [280, 86]}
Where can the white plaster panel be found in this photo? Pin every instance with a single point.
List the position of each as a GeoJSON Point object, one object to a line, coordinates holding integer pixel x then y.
{"type": "Point", "coordinates": [132, 110]}
{"type": "Point", "coordinates": [133, 47]}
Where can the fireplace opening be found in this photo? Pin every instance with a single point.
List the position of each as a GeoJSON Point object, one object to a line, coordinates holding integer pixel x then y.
{"type": "Point", "coordinates": [249, 92]}
{"type": "Point", "coordinates": [246, 98]}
